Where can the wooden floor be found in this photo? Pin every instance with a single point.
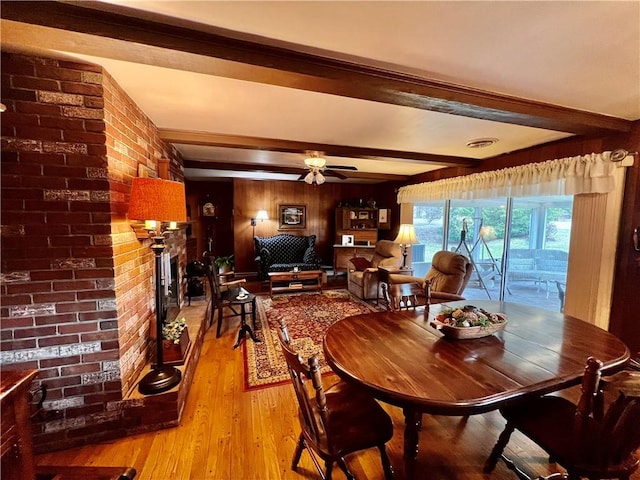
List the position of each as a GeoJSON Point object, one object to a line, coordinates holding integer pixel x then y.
{"type": "Point", "coordinates": [227, 433]}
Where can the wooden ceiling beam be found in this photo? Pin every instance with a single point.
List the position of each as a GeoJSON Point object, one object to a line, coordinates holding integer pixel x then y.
{"type": "Point", "coordinates": [246, 167]}
{"type": "Point", "coordinates": [290, 146]}
{"type": "Point", "coordinates": [266, 61]}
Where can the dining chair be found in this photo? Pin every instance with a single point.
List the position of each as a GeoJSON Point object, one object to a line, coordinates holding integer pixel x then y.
{"type": "Point", "coordinates": [225, 294]}
{"type": "Point", "coordinates": [583, 438]}
{"type": "Point", "coordinates": [336, 421]}
{"type": "Point", "coordinates": [405, 296]}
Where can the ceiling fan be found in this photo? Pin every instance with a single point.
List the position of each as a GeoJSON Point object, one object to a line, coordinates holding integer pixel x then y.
{"type": "Point", "coordinates": [318, 169]}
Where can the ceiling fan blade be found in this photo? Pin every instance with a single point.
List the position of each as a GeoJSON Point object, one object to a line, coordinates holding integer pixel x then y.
{"type": "Point", "coordinates": [332, 173]}
{"type": "Point", "coordinates": [301, 177]}
{"type": "Point", "coordinates": [343, 167]}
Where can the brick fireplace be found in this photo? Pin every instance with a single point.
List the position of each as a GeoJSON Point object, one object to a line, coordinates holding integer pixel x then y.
{"type": "Point", "coordinates": [77, 285]}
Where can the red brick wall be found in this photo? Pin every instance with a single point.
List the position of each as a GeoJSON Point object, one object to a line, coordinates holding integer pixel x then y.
{"type": "Point", "coordinates": [76, 283]}
{"type": "Point", "coordinates": [132, 140]}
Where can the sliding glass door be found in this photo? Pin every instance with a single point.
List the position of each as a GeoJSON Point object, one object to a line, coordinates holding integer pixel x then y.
{"type": "Point", "coordinates": [538, 253]}
{"type": "Point", "coordinates": [532, 270]}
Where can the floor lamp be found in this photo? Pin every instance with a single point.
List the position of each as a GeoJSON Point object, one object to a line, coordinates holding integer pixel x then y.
{"type": "Point", "coordinates": [161, 204]}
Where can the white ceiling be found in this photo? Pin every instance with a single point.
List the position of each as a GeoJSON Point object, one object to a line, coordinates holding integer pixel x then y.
{"type": "Point", "coordinates": [578, 54]}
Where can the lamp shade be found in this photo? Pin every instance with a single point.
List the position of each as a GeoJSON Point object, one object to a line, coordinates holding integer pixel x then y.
{"type": "Point", "coordinates": [309, 178]}
{"type": "Point", "coordinates": [157, 199]}
{"type": "Point", "coordinates": [406, 235]}
{"type": "Point", "coordinates": [262, 215]}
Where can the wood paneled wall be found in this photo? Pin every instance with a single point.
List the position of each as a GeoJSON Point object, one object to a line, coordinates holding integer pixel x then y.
{"type": "Point", "coordinates": [249, 196]}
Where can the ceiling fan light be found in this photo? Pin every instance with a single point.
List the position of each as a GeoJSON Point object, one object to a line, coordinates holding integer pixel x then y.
{"type": "Point", "coordinates": [315, 162]}
{"type": "Point", "coordinates": [320, 178]}
{"type": "Point", "coordinates": [309, 178]}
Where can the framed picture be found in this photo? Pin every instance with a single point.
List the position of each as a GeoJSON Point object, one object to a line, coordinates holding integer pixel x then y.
{"type": "Point", "coordinates": [363, 215]}
{"type": "Point", "coordinates": [347, 240]}
{"type": "Point", "coordinates": [384, 218]}
{"type": "Point", "coordinates": [292, 217]}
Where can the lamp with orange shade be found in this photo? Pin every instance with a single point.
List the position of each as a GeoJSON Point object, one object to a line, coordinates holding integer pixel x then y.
{"type": "Point", "coordinates": [161, 204]}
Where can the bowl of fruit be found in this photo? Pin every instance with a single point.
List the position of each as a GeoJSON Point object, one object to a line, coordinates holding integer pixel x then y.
{"type": "Point", "coordinates": [468, 322]}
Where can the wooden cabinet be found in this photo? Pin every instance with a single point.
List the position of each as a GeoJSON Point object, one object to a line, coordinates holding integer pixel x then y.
{"type": "Point", "coordinates": [17, 443]}
{"type": "Point", "coordinates": [361, 222]}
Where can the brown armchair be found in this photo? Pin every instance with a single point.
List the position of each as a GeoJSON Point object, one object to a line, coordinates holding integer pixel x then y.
{"type": "Point", "coordinates": [362, 277]}
{"type": "Point", "coordinates": [448, 277]}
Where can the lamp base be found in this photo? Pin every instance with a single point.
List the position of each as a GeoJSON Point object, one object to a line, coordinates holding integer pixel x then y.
{"type": "Point", "coordinates": [159, 380]}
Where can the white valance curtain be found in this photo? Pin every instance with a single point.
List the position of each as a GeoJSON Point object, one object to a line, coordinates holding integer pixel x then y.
{"type": "Point", "coordinates": [566, 176]}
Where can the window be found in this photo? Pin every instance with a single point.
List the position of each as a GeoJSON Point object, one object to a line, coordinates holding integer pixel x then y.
{"type": "Point", "coordinates": [538, 233]}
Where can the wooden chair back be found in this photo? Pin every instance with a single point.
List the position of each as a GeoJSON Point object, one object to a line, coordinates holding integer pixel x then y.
{"type": "Point", "coordinates": [405, 296]}
{"type": "Point", "coordinates": [618, 432]}
{"type": "Point", "coordinates": [210, 268]}
{"type": "Point", "coordinates": [619, 436]}
{"type": "Point", "coordinates": [358, 422]}
{"type": "Point", "coordinates": [598, 443]}
{"type": "Point", "coordinates": [222, 294]}
{"type": "Point", "coordinates": [311, 398]}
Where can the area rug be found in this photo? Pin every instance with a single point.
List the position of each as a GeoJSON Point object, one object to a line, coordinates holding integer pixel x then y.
{"type": "Point", "coordinates": [308, 316]}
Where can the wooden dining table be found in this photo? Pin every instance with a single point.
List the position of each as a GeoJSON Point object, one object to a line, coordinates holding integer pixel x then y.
{"type": "Point", "coordinates": [401, 360]}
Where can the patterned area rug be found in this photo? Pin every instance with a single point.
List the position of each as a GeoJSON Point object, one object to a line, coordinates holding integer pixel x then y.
{"type": "Point", "coordinates": [308, 316]}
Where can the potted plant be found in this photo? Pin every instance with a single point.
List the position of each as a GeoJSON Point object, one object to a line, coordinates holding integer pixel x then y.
{"type": "Point", "coordinates": [175, 341]}
{"type": "Point", "coordinates": [225, 264]}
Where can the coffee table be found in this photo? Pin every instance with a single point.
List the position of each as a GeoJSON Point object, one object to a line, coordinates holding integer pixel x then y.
{"type": "Point", "coordinates": [303, 280]}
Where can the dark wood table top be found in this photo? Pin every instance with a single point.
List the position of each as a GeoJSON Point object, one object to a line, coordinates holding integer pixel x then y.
{"type": "Point", "coordinates": [405, 362]}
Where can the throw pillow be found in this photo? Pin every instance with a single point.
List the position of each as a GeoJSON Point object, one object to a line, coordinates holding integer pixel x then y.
{"type": "Point", "coordinates": [360, 263]}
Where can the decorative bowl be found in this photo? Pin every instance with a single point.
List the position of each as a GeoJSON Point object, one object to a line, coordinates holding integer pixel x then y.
{"type": "Point", "coordinates": [468, 322]}
{"type": "Point", "coordinates": [464, 333]}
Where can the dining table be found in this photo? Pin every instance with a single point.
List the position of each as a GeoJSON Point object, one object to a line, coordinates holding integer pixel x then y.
{"type": "Point", "coordinates": [402, 360]}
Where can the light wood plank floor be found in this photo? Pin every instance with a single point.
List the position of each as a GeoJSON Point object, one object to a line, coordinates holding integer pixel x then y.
{"type": "Point", "coordinates": [227, 433]}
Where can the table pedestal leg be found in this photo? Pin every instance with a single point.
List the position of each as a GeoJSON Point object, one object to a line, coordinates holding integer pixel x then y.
{"type": "Point", "coordinates": [412, 424]}
{"type": "Point", "coordinates": [244, 328]}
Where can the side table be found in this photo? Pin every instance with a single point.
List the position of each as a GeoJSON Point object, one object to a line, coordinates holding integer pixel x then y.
{"type": "Point", "coordinates": [244, 328]}
{"type": "Point", "coordinates": [383, 276]}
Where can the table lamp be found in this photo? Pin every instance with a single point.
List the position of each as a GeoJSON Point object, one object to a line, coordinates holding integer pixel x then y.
{"type": "Point", "coordinates": [406, 237]}
{"type": "Point", "coordinates": [161, 204]}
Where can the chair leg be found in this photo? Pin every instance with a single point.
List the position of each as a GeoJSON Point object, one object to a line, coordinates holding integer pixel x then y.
{"type": "Point", "coordinates": [343, 466]}
{"type": "Point", "coordinates": [298, 453]}
{"type": "Point", "coordinates": [514, 468]}
{"type": "Point", "coordinates": [498, 448]}
{"type": "Point", "coordinates": [328, 464]}
{"type": "Point", "coordinates": [386, 464]}
{"type": "Point", "coordinates": [220, 308]}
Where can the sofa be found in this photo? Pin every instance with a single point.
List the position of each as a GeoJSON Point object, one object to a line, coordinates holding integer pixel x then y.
{"type": "Point", "coordinates": [362, 276]}
{"type": "Point", "coordinates": [283, 253]}
{"type": "Point", "coordinates": [537, 265]}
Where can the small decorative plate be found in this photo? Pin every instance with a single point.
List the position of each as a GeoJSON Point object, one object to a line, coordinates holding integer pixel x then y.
{"type": "Point", "coordinates": [464, 333]}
